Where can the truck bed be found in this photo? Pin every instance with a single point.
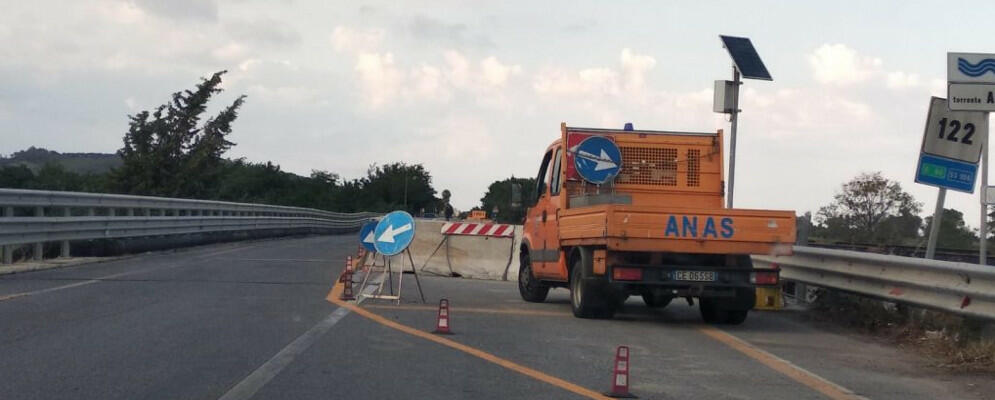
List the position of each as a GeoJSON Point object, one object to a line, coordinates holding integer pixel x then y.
{"type": "Point", "coordinates": [679, 230]}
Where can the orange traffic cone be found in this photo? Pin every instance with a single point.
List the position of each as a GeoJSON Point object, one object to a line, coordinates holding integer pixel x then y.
{"type": "Point", "coordinates": [620, 378]}
{"type": "Point", "coordinates": [347, 270]}
{"type": "Point", "coordinates": [442, 326]}
{"type": "Point", "coordinates": [347, 286]}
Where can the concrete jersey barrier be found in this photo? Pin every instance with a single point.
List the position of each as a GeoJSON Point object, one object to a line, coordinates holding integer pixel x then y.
{"type": "Point", "coordinates": [478, 257]}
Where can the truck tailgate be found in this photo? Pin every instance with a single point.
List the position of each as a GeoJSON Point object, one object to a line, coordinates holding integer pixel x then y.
{"type": "Point", "coordinates": [683, 230]}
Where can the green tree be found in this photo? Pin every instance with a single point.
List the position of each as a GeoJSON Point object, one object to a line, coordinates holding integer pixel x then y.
{"type": "Point", "coordinates": [870, 209]}
{"type": "Point", "coordinates": [16, 177]}
{"type": "Point", "coordinates": [954, 233]}
{"type": "Point", "coordinates": [168, 152]}
{"type": "Point", "coordinates": [395, 186]}
{"type": "Point", "coordinates": [499, 195]}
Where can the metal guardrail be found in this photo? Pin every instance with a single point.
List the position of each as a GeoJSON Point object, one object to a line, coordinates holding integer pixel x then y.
{"type": "Point", "coordinates": [961, 288]}
{"type": "Point", "coordinates": [38, 216]}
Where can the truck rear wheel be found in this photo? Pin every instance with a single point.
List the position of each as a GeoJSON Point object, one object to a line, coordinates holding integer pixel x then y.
{"type": "Point", "coordinates": [531, 289]}
{"type": "Point", "coordinates": [588, 297]}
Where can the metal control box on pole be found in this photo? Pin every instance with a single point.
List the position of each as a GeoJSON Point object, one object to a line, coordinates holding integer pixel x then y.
{"type": "Point", "coordinates": [746, 64]}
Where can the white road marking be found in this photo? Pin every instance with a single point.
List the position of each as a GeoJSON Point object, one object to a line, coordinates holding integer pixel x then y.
{"type": "Point", "coordinates": [248, 387]}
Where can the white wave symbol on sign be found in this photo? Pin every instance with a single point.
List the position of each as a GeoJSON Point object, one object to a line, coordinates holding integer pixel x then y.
{"type": "Point", "coordinates": [602, 163]}
{"type": "Point", "coordinates": [388, 234]}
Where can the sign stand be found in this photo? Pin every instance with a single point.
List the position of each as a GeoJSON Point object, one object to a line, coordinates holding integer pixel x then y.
{"type": "Point", "coordinates": [389, 278]}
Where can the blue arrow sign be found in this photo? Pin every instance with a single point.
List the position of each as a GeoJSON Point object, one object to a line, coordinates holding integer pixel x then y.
{"type": "Point", "coordinates": [598, 160]}
{"type": "Point", "coordinates": [366, 236]}
{"type": "Point", "coordinates": [394, 233]}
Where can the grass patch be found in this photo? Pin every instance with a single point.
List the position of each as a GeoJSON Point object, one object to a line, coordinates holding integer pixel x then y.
{"type": "Point", "coordinates": [947, 340]}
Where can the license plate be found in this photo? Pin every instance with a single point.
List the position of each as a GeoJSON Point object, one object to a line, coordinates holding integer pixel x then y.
{"type": "Point", "coordinates": [696, 276]}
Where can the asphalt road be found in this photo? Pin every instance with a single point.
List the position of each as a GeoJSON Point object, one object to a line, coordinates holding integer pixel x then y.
{"type": "Point", "coordinates": [250, 320]}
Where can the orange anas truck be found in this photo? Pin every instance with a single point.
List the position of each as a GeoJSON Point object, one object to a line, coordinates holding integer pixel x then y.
{"type": "Point", "coordinates": [630, 212]}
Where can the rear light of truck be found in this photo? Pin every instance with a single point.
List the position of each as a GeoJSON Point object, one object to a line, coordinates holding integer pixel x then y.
{"type": "Point", "coordinates": [763, 278]}
{"type": "Point", "coordinates": [627, 274]}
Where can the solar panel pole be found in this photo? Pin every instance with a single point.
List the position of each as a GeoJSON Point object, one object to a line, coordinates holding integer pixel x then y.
{"type": "Point", "coordinates": [733, 117]}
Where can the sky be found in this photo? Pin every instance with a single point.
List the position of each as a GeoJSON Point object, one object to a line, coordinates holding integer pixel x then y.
{"type": "Point", "coordinates": [475, 91]}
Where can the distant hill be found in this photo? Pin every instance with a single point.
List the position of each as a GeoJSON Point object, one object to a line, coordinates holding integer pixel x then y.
{"type": "Point", "coordinates": [85, 163]}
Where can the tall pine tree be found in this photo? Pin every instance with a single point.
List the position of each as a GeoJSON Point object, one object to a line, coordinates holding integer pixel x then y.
{"type": "Point", "coordinates": [168, 152]}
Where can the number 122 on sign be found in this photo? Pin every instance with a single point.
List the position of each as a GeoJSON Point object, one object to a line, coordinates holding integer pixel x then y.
{"type": "Point", "coordinates": [955, 128]}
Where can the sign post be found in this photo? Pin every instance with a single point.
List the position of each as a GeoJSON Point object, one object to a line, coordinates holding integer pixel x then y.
{"type": "Point", "coordinates": [983, 228]}
{"type": "Point", "coordinates": [951, 148]}
{"type": "Point", "coordinates": [971, 87]}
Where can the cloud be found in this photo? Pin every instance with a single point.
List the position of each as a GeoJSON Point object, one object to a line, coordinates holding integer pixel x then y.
{"type": "Point", "coordinates": [634, 68]}
{"type": "Point", "coordinates": [837, 64]}
{"type": "Point", "coordinates": [266, 31]}
{"type": "Point", "coordinates": [428, 82]}
{"type": "Point", "coordinates": [195, 10]}
{"type": "Point", "coordinates": [583, 26]}
{"type": "Point", "coordinates": [386, 82]}
{"type": "Point", "coordinates": [902, 80]}
{"type": "Point", "coordinates": [435, 31]}
{"type": "Point", "coordinates": [230, 51]}
{"type": "Point", "coordinates": [555, 81]}
{"type": "Point", "coordinates": [629, 77]}
{"type": "Point", "coordinates": [380, 77]}
{"type": "Point", "coordinates": [346, 39]}
{"type": "Point", "coordinates": [494, 73]}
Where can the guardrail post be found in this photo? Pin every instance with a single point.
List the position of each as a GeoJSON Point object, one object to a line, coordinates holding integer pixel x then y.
{"type": "Point", "coordinates": [8, 250]}
{"type": "Point", "coordinates": [39, 247]}
{"type": "Point", "coordinates": [64, 245]}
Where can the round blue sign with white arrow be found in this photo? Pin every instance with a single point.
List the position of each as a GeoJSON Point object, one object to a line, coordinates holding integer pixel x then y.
{"type": "Point", "coordinates": [366, 235]}
{"type": "Point", "coordinates": [394, 233]}
{"type": "Point", "coordinates": [598, 160]}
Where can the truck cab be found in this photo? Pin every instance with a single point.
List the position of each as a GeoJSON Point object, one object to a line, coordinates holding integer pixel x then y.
{"type": "Point", "coordinates": [650, 222]}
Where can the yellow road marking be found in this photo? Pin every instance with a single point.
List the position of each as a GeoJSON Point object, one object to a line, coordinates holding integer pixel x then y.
{"type": "Point", "coordinates": [510, 311]}
{"type": "Point", "coordinates": [782, 366]}
{"type": "Point", "coordinates": [537, 375]}
{"type": "Point", "coordinates": [785, 367]}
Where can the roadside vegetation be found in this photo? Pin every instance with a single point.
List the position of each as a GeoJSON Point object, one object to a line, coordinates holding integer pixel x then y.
{"type": "Point", "coordinates": [946, 340]}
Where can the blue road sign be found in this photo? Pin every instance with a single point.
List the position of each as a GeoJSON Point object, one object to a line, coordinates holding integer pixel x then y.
{"type": "Point", "coordinates": [394, 233]}
{"type": "Point", "coordinates": [946, 173]}
{"type": "Point", "coordinates": [598, 160]}
{"type": "Point", "coordinates": [366, 235]}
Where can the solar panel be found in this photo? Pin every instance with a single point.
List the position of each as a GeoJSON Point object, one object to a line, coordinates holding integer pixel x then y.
{"type": "Point", "coordinates": [745, 57]}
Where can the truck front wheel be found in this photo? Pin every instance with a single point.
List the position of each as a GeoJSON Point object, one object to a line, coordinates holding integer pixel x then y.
{"type": "Point", "coordinates": [588, 298]}
{"type": "Point", "coordinates": [531, 289]}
